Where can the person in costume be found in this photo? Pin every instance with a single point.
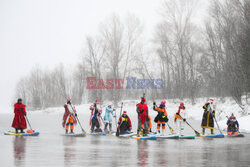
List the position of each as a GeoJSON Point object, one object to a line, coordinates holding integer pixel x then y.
{"type": "Point", "coordinates": [232, 125]}
{"type": "Point", "coordinates": [142, 110]}
{"type": "Point", "coordinates": [109, 112]}
{"type": "Point", "coordinates": [95, 117]}
{"type": "Point", "coordinates": [208, 116]}
{"type": "Point", "coordinates": [19, 121]}
{"type": "Point", "coordinates": [149, 124]}
{"type": "Point", "coordinates": [69, 117]}
{"type": "Point", "coordinates": [180, 118]}
{"type": "Point", "coordinates": [161, 118]}
{"type": "Point", "coordinates": [124, 124]}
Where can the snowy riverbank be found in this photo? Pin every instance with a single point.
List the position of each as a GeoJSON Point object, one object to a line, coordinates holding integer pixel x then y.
{"type": "Point", "coordinates": [223, 108]}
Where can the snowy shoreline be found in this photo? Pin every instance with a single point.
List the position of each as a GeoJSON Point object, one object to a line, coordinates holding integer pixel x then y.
{"type": "Point", "coordinates": [223, 108]}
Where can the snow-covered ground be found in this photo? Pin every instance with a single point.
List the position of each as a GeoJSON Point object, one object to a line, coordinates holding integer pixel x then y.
{"type": "Point", "coordinates": [224, 108]}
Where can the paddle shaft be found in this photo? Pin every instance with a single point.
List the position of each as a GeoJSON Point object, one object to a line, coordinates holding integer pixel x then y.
{"type": "Point", "coordinates": [80, 125]}
{"type": "Point", "coordinates": [28, 121]}
{"type": "Point", "coordinates": [115, 120]}
{"type": "Point", "coordinates": [216, 123]}
{"type": "Point", "coordinates": [170, 128]}
{"type": "Point", "coordinates": [198, 134]}
{"type": "Point", "coordinates": [78, 120]}
{"type": "Point", "coordinates": [118, 129]}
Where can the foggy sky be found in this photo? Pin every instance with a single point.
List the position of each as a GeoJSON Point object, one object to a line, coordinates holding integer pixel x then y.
{"type": "Point", "coordinates": [49, 32]}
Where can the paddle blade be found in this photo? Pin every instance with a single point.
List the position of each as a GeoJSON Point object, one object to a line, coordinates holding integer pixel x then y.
{"type": "Point", "coordinates": [197, 133]}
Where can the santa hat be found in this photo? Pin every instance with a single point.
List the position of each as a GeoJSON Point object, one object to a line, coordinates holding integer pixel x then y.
{"type": "Point", "coordinates": [163, 102]}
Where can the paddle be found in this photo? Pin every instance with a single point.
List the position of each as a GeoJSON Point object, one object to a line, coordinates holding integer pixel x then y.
{"type": "Point", "coordinates": [102, 120]}
{"type": "Point", "coordinates": [196, 132]}
{"type": "Point", "coordinates": [118, 129]}
{"type": "Point", "coordinates": [171, 129]}
{"type": "Point", "coordinates": [29, 123]}
{"type": "Point", "coordinates": [115, 119]}
{"type": "Point", "coordinates": [216, 123]}
{"type": "Point", "coordinates": [83, 131]}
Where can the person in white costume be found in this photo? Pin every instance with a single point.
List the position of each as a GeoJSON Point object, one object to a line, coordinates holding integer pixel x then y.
{"type": "Point", "coordinates": [180, 118]}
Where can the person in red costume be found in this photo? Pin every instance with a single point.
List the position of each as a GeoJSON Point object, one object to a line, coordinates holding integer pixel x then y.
{"type": "Point", "coordinates": [142, 110]}
{"type": "Point", "coordinates": [19, 121]}
{"type": "Point", "coordinates": [95, 117]}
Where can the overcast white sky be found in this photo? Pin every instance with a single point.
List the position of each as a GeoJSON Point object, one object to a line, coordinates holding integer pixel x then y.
{"type": "Point", "coordinates": [49, 32]}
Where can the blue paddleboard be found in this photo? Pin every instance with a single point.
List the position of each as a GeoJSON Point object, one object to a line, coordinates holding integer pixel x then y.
{"type": "Point", "coordinates": [145, 138]}
{"type": "Point", "coordinates": [21, 134]}
{"type": "Point", "coordinates": [98, 134]}
{"type": "Point", "coordinates": [213, 136]}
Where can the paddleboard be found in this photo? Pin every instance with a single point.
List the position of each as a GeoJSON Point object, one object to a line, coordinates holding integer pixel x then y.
{"type": "Point", "coordinates": [152, 133]}
{"type": "Point", "coordinates": [98, 134]}
{"type": "Point", "coordinates": [186, 137]}
{"type": "Point", "coordinates": [238, 135]}
{"type": "Point", "coordinates": [145, 138]}
{"type": "Point", "coordinates": [75, 134]}
{"type": "Point", "coordinates": [127, 135]}
{"type": "Point", "coordinates": [213, 136]}
{"type": "Point", "coordinates": [167, 137]}
{"type": "Point", "coordinates": [21, 134]}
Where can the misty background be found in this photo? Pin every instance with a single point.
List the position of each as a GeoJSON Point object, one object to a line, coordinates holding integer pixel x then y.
{"type": "Point", "coordinates": [48, 48]}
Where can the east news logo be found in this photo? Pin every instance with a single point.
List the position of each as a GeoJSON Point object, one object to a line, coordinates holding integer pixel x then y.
{"type": "Point", "coordinates": [131, 83]}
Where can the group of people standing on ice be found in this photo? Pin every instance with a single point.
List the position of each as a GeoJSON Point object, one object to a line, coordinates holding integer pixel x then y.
{"type": "Point", "coordinates": [124, 124]}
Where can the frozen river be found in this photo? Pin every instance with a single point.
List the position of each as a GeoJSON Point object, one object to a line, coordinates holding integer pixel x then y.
{"type": "Point", "coordinates": [51, 149]}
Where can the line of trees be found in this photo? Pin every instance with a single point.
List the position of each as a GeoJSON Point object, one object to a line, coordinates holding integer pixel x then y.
{"type": "Point", "coordinates": [193, 61]}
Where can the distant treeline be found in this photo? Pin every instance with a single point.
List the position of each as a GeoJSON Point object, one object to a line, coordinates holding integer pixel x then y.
{"type": "Point", "coordinates": [212, 59]}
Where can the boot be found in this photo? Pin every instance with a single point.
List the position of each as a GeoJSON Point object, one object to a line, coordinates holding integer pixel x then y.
{"type": "Point", "coordinates": [71, 131]}
{"type": "Point", "coordinates": [181, 131]}
{"type": "Point", "coordinates": [158, 132]}
{"type": "Point", "coordinates": [66, 131]}
{"type": "Point", "coordinates": [110, 128]}
{"type": "Point", "coordinates": [106, 128]}
{"type": "Point", "coordinates": [16, 130]}
{"type": "Point", "coordinates": [212, 131]}
{"type": "Point", "coordinates": [144, 132]}
{"type": "Point", "coordinates": [22, 131]}
{"type": "Point", "coordinates": [138, 133]}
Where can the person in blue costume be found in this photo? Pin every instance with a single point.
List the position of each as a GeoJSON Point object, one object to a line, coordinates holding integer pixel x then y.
{"type": "Point", "coordinates": [109, 112]}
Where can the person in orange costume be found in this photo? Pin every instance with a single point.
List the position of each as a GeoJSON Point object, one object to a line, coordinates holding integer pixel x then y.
{"type": "Point", "coordinates": [161, 118]}
{"type": "Point", "coordinates": [149, 124]}
{"type": "Point", "coordinates": [69, 117]}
